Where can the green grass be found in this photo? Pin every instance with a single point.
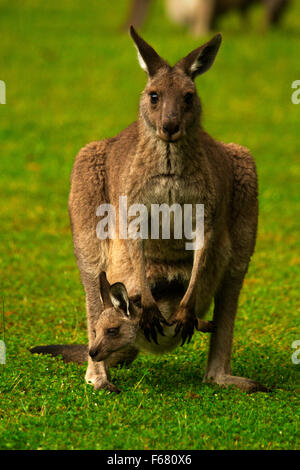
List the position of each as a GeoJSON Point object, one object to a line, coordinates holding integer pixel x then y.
{"type": "Point", "coordinates": [72, 77]}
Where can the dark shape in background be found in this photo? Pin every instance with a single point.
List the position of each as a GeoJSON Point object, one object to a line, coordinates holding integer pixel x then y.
{"type": "Point", "coordinates": [201, 16]}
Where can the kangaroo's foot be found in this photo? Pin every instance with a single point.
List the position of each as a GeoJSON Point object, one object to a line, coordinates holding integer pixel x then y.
{"type": "Point", "coordinates": [225, 380]}
{"type": "Point", "coordinates": [151, 321]}
{"type": "Point", "coordinates": [185, 320]}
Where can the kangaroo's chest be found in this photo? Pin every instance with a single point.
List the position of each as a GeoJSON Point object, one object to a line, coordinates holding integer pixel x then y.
{"type": "Point", "coordinates": [167, 175]}
{"type": "Point", "coordinates": [172, 189]}
{"type": "Point", "coordinates": [171, 192]}
{"type": "Point", "coordinates": [175, 179]}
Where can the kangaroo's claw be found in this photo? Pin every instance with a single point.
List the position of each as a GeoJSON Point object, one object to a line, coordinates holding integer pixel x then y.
{"type": "Point", "coordinates": [187, 328]}
{"type": "Point", "coordinates": [185, 321]}
{"type": "Point", "coordinates": [151, 321]}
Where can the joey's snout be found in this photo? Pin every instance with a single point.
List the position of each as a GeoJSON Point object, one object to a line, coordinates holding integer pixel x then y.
{"type": "Point", "coordinates": [93, 353]}
{"type": "Point", "coordinates": [96, 354]}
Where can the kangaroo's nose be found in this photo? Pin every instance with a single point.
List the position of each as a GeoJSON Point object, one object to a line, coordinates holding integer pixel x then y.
{"type": "Point", "coordinates": [93, 352]}
{"type": "Point", "coordinates": [170, 128]}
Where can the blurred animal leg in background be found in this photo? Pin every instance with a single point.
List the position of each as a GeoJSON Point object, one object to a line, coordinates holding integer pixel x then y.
{"type": "Point", "coordinates": [137, 14]}
{"type": "Point", "coordinates": [244, 12]}
{"type": "Point", "coordinates": [275, 10]}
{"type": "Point", "coordinates": [197, 14]}
{"type": "Point", "coordinates": [204, 18]}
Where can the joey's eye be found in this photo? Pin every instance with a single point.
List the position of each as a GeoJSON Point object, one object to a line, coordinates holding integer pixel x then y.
{"type": "Point", "coordinates": [153, 97]}
{"type": "Point", "coordinates": [113, 331]}
{"type": "Point", "coordinates": [188, 98]}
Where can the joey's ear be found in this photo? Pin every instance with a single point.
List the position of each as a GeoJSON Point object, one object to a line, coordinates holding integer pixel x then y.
{"type": "Point", "coordinates": [149, 60]}
{"type": "Point", "coordinates": [200, 60]}
{"type": "Point", "coordinates": [119, 297]}
{"type": "Point", "coordinates": [105, 290]}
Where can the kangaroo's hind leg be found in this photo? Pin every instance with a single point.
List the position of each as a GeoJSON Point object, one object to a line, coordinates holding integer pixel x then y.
{"type": "Point", "coordinates": [218, 367]}
{"type": "Point", "coordinates": [244, 214]}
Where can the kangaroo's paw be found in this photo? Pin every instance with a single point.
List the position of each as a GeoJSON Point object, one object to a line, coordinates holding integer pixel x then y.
{"type": "Point", "coordinates": [205, 326]}
{"type": "Point", "coordinates": [106, 385]}
{"type": "Point", "coordinates": [100, 383]}
{"type": "Point", "coordinates": [185, 321]}
{"type": "Point", "coordinates": [151, 321]}
{"type": "Point", "coordinates": [247, 385]}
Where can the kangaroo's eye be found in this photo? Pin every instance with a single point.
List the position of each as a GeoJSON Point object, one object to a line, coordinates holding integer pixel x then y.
{"type": "Point", "coordinates": [188, 98]}
{"type": "Point", "coordinates": [113, 331]}
{"type": "Point", "coordinates": [153, 97]}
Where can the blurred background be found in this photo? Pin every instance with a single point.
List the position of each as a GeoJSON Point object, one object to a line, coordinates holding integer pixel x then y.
{"type": "Point", "coordinates": [72, 76]}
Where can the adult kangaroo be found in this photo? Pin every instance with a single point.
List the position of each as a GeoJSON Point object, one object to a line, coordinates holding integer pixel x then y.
{"type": "Point", "coordinates": [166, 157]}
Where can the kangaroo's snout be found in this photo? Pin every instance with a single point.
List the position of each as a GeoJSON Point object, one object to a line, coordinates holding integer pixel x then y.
{"type": "Point", "coordinates": [97, 354]}
{"type": "Point", "coordinates": [93, 353]}
{"type": "Point", "coordinates": [171, 130]}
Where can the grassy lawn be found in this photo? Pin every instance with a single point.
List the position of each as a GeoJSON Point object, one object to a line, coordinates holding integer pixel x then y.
{"type": "Point", "coordinates": [72, 77]}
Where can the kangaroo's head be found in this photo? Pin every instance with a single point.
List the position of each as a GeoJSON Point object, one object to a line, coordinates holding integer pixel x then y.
{"type": "Point", "coordinates": [170, 105]}
{"type": "Point", "coordinates": [117, 324]}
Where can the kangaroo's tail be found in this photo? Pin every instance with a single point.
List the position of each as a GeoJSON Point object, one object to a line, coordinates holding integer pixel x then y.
{"type": "Point", "coordinates": [69, 352]}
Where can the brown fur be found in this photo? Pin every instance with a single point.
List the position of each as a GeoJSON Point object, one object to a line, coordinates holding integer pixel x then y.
{"type": "Point", "coordinates": [165, 157]}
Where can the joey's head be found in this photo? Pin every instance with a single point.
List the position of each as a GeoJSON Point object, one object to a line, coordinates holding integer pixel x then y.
{"type": "Point", "coordinates": [170, 105]}
{"type": "Point", "coordinates": [117, 324]}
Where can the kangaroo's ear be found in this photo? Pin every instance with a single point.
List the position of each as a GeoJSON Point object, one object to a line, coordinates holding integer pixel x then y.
{"type": "Point", "coordinates": [200, 60]}
{"type": "Point", "coordinates": [119, 297]}
{"type": "Point", "coordinates": [149, 60]}
{"type": "Point", "coordinates": [105, 290]}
